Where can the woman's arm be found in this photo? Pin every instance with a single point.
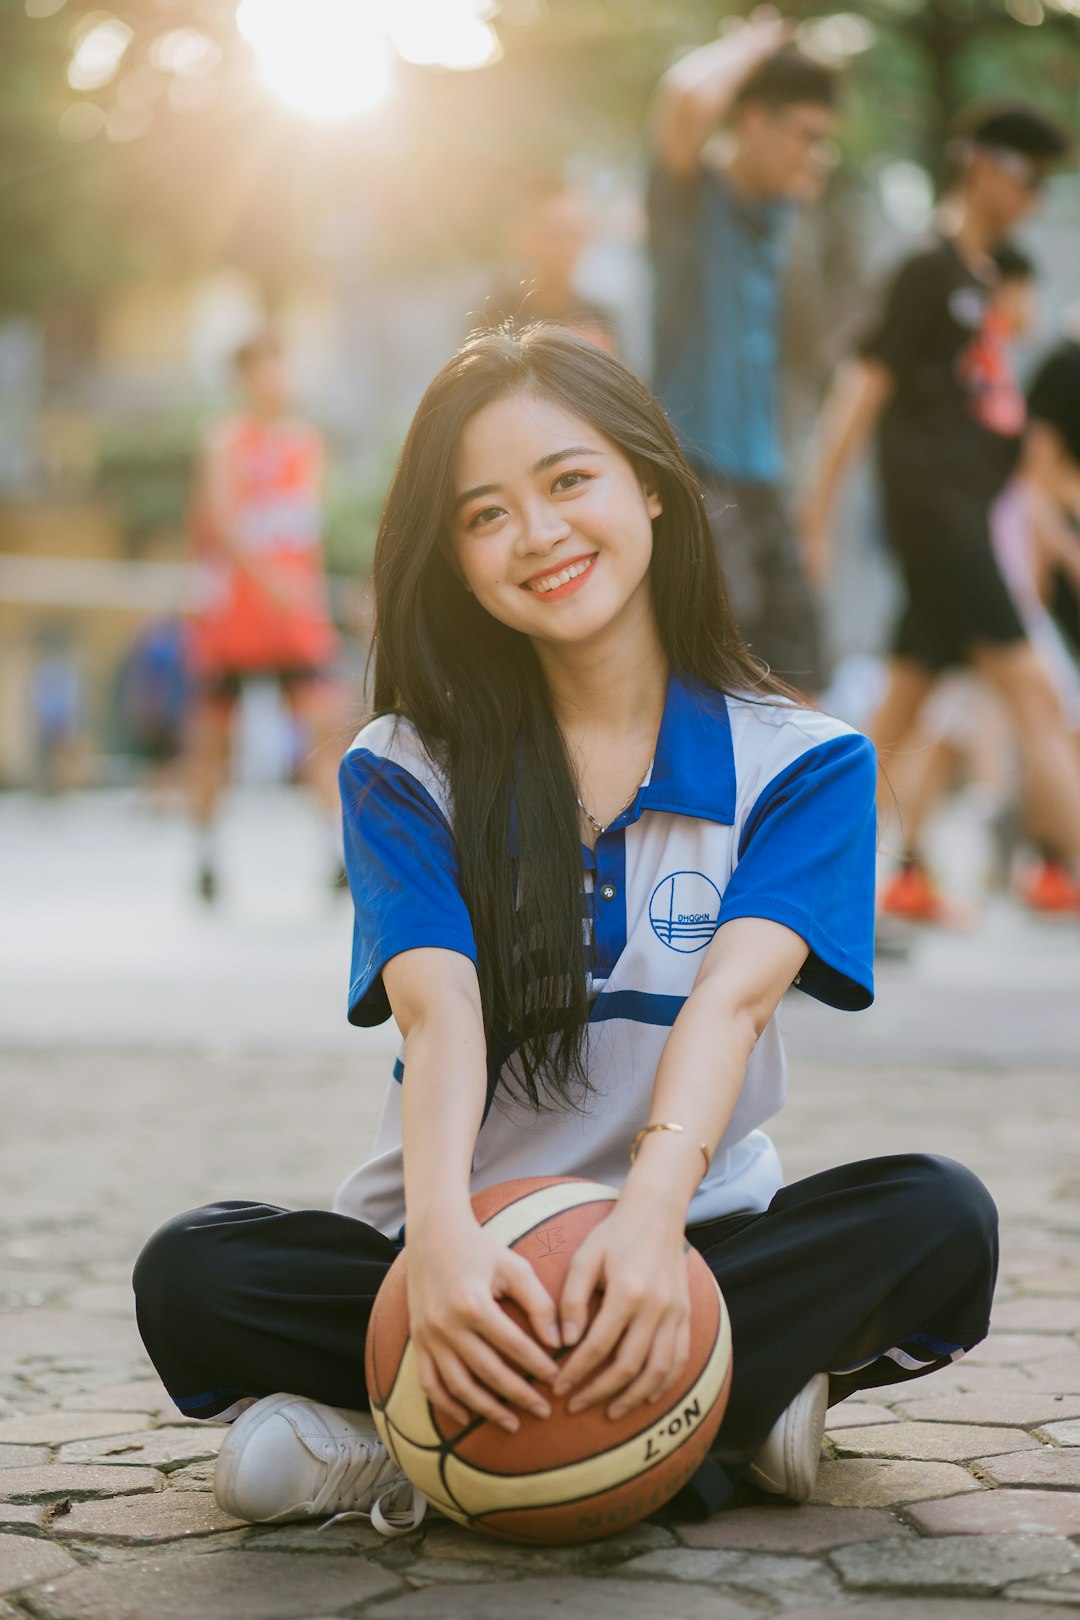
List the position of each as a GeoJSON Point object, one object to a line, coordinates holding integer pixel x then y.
{"type": "Point", "coordinates": [636, 1256]}
{"type": "Point", "coordinates": [468, 1349]}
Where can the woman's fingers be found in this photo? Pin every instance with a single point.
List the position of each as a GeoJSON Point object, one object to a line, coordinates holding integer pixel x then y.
{"type": "Point", "coordinates": [461, 1384]}
{"type": "Point", "coordinates": [605, 1331]}
{"type": "Point", "coordinates": [661, 1369]}
{"type": "Point", "coordinates": [436, 1391]}
{"type": "Point", "coordinates": [630, 1355]}
{"type": "Point", "coordinates": [485, 1364]}
{"type": "Point", "coordinates": [517, 1280]}
{"type": "Point", "coordinates": [582, 1281]}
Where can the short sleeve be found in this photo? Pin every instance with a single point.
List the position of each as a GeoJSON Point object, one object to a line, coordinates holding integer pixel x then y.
{"type": "Point", "coordinates": [897, 334]}
{"type": "Point", "coordinates": [807, 859]}
{"type": "Point", "coordinates": [403, 872]}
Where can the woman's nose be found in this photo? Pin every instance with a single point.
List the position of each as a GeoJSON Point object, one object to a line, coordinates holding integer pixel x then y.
{"type": "Point", "coordinates": [542, 527]}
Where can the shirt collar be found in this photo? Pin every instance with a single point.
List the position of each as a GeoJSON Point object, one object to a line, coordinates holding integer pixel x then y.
{"type": "Point", "coordinates": [693, 773]}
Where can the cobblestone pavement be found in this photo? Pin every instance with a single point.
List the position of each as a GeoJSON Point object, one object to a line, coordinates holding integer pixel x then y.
{"type": "Point", "coordinates": [953, 1498]}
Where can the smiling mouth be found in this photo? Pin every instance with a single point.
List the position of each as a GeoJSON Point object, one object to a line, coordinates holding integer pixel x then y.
{"type": "Point", "coordinates": [544, 583]}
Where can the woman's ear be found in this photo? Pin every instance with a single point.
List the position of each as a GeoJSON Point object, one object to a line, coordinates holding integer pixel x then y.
{"type": "Point", "coordinates": [653, 504]}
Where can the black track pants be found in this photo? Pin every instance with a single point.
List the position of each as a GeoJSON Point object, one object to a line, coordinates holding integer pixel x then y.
{"type": "Point", "coordinates": [873, 1272]}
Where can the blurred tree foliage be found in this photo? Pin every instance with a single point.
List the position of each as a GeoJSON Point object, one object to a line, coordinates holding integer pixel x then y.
{"type": "Point", "coordinates": [166, 170]}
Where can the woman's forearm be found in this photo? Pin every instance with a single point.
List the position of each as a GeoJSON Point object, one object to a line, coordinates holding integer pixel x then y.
{"type": "Point", "coordinates": [748, 966]}
{"type": "Point", "coordinates": [442, 1107]}
{"type": "Point", "coordinates": [436, 1001]}
{"type": "Point", "coordinates": [697, 1086]}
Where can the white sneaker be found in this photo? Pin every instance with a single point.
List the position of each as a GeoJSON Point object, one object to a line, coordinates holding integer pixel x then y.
{"type": "Point", "coordinates": [787, 1463]}
{"type": "Point", "coordinates": [290, 1458]}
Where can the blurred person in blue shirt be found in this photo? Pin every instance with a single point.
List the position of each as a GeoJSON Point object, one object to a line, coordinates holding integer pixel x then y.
{"type": "Point", "coordinates": [720, 208]}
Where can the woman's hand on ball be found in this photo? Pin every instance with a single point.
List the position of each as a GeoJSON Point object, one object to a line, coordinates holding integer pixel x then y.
{"type": "Point", "coordinates": [471, 1356]}
{"type": "Point", "coordinates": [636, 1259]}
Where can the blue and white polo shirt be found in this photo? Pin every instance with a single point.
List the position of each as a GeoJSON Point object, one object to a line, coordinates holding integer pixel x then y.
{"type": "Point", "coordinates": [753, 808]}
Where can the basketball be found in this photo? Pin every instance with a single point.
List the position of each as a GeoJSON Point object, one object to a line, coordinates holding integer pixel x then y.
{"type": "Point", "coordinates": [564, 1478]}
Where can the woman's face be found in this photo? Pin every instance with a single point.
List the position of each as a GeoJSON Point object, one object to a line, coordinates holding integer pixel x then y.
{"type": "Point", "coordinates": [551, 529]}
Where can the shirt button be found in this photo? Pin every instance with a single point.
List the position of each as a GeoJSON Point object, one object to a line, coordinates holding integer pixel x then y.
{"type": "Point", "coordinates": [607, 892]}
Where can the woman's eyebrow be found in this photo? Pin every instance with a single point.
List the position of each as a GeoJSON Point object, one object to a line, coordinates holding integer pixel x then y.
{"type": "Point", "coordinates": [537, 467]}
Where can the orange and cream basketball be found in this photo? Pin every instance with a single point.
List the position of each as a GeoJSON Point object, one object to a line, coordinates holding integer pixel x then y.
{"type": "Point", "coordinates": [563, 1478]}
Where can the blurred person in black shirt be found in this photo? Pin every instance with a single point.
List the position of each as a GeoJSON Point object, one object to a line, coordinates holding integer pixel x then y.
{"type": "Point", "coordinates": [934, 380]}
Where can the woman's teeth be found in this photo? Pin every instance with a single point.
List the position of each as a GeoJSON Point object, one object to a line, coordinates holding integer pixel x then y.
{"type": "Point", "coordinates": [551, 582]}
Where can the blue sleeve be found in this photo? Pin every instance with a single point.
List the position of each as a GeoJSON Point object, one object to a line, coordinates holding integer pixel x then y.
{"type": "Point", "coordinates": [806, 859]}
{"type": "Point", "coordinates": [403, 872]}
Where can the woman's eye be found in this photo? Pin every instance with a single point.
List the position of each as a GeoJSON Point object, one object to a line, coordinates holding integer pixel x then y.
{"type": "Point", "coordinates": [487, 515]}
{"type": "Point", "coordinates": [568, 480]}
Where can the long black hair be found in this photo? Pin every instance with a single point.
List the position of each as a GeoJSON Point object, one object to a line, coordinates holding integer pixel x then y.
{"type": "Point", "coordinates": [474, 690]}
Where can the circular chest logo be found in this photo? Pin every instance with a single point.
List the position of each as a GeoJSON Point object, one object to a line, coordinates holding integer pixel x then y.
{"type": "Point", "coordinates": [684, 911]}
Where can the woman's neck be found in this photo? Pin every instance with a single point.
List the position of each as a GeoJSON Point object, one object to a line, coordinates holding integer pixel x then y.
{"type": "Point", "coordinates": [614, 684]}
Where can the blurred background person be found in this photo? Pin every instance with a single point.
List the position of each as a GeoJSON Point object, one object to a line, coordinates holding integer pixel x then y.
{"type": "Point", "coordinates": [719, 217]}
{"type": "Point", "coordinates": [933, 380]}
{"type": "Point", "coordinates": [153, 690]}
{"type": "Point", "coordinates": [961, 740]}
{"type": "Point", "coordinates": [548, 232]}
{"type": "Point", "coordinates": [262, 611]}
{"type": "Point", "coordinates": [57, 708]}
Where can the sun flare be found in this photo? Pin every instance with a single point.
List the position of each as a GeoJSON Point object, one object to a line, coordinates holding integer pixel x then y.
{"type": "Point", "coordinates": [333, 59]}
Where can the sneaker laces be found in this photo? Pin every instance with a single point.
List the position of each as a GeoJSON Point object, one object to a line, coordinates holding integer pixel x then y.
{"type": "Point", "coordinates": [359, 1471]}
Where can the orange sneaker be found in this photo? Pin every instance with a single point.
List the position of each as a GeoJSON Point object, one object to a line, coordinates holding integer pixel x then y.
{"type": "Point", "coordinates": [913, 895]}
{"type": "Point", "coordinates": [1051, 888]}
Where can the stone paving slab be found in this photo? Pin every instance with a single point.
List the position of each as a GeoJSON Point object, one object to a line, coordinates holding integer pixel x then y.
{"type": "Point", "coordinates": [1005, 1407]}
{"type": "Point", "coordinates": [167, 1516]}
{"type": "Point", "coordinates": [562, 1599]}
{"type": "Point", "coordinates": [809, 1529]}
{"type": "Point", "coordinates": [212, 1586]}
{"type": "Point", "coordinates": [24, 1562]}
{"type": "Point", "coordinates": [58, 1480]}
{"type": "Point", "coordinates": [53, 1428]}
{"type": "Point", "coordinates": [163, 1448]}
{"type": "Point", "coordinates": [1034, 1314]}
{"type": "Point", "coordinates": [22, 1456]}
{"type": "Point", "coordinates": [929, 1608]}
{"type": "Point", "coordinates": [873, 1482]}
{"type": "Point", "coordinates": [453, 1543]}
{"type": "Point", "coordinates": [1063, 1589]}
{"type": "Point", "coordinates": [140, 1395]}
{"type": "Point", "coordinates": [930, 1442]}
{"type": "Point", "coordinates": [17, 1515]}
{"type": "Point", "coordinates": [1063, 1434]}
{"type": "Point", "coordinates": [782, 1581]}
{"type": "Point", "coordinates": [1052, 1513]}
{"type": "Point", "coordinates": [852, 1414]}
{"type": "Point", "coordinates": [1049, 1467]}
{"type": "Point", "coordinates": [958, 1564]}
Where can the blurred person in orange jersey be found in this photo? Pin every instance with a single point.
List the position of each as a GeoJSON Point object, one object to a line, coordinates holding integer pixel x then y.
{"type": "Point", "coordinates": [262, 610]}
{"type": "Point", "coordinates": [548, 233]}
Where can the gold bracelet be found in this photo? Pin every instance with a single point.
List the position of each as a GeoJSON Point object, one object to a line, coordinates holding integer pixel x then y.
{"type": "Point", "coordinates": [666, 1125]}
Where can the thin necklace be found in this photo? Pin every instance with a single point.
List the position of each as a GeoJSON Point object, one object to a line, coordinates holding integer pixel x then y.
{"type": "Point", "coordinates": [591, 819]}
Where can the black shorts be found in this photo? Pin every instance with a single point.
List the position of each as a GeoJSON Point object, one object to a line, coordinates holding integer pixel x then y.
{"type": "Point", "coordinates": [766, 584]}
{"type": "Point", "coordinates": [957, 597]}
{"type": "Point", "coordinates": [226, 684]}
